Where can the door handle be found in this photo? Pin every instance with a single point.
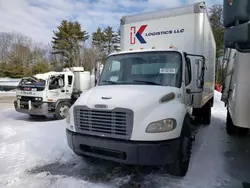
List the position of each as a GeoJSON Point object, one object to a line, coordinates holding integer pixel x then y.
{"type": "Point", "coordinates": [63, 91]}
{"type": "Point", "coordinates": [67, 90]}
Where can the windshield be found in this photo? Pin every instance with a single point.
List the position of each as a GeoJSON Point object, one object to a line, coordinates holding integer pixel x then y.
{"type": "Point", "coordinates": [31, 83]}
{"type": "Point", "coordinates": [144, 68]}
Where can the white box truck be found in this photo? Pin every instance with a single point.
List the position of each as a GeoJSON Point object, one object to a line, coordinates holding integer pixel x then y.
{"type": "Point", "coordinates": [52, 92]}
{"type": "Point", "coordinates": [139, 113]}
{"type": "Point", "coordinates": [236, 86]}
{"type": "Point", "coordinates": [235, 92]}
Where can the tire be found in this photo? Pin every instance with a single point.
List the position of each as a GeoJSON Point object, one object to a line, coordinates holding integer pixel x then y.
{"type": "Point", "coordinates": [180, 166]}
{"type": "Point", "coordinates": [234, 130]}
{"type": "Point", "coordinates": [62, 110]}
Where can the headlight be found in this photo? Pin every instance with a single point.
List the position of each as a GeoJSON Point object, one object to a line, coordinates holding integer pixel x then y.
{"type": "Point", "coordinates": [161, 126]}
{"type": "Point", "coordinates": [38, 98]}
{"type": "Point", "coordinates": [68, 124]}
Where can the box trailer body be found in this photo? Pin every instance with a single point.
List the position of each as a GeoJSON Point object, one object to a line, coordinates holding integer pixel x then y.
{"type": "Point", "coordinates": [140, 110]}
{"type": "Point", "coordinates": [236, 89]}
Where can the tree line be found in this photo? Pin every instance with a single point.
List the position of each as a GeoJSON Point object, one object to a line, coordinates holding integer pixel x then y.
{"type": "Point", "coordinates": [71, 45]}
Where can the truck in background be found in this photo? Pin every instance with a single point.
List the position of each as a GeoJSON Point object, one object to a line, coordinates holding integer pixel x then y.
{"type": "Point", "coordinates": [140, 110]}
{"type": "Point", "coordinates": [236, 87]}
{"type": "Point", "coordinates": [52, 92]}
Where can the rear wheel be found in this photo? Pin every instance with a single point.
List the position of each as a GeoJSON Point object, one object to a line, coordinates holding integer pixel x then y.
{"type": "Point", "coordinates": [234, 130]}
{"type": "Point", "coordinates": [180, 166]}
{"type": "Point", "coordinates": [62, 109]}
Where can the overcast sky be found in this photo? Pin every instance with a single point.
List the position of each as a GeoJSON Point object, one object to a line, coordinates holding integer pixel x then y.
{"type": "Point", "coordinates": [38, 18]}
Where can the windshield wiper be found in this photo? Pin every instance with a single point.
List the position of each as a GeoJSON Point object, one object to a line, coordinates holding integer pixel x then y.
{"type": "Point", "coordinates": [109, 81]}
{"type": "Point", "coordinates": [147, 82]}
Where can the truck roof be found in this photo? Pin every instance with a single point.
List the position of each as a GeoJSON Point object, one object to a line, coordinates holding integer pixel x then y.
{"type": "Point", "coordinates": [46, 75]}
{"type": "Point", "coordinates": [145, 50]}
{"type": "Point", "coordinates": [187, 9]}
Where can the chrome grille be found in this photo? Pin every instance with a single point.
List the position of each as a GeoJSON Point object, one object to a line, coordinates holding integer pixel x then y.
{"type": "Point", "coordinates": [116, 123]}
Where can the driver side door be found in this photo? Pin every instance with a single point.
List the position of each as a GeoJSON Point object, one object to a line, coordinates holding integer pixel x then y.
{"type": "Point", "coordinates": [56, 90]}
{"type": "Point", "coordinates": [188, 85]}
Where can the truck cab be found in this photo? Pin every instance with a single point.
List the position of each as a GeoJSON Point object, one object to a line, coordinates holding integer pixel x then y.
{"type": "Point", "coordinates": [51, 92]}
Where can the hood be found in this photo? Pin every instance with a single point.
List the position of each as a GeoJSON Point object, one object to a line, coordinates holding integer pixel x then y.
{"type": "Point", "coordinates": [126, 96]}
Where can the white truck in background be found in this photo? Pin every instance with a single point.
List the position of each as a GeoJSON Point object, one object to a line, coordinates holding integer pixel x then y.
{"type": "Point", "coordinates": [140, 110]}
{"type": "Point", "coordinates": [52, 92]}
{"type": "Point", "coordinates": [236, 88]}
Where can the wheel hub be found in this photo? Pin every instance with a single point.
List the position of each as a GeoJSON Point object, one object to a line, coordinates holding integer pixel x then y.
{"type": "Point", "coordinates": [63, 111]}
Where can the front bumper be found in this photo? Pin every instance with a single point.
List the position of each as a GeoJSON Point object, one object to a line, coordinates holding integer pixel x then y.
{"type": "Point", "coordinates": [123, 151]}
{"type": "Point", "coordinates": [36, 108]}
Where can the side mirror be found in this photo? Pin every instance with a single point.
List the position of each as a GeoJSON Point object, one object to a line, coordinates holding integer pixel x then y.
{"type": "Point", "coordinates": [200, 73]}
{"type": "Point", "coordinates": [238, 37]}
{"type": "Point", "coordinates": [60, 83]}
{"type": "Point", "coordinates": [235, 10]}
{"type": "Point", "coordinates": [236, 21]}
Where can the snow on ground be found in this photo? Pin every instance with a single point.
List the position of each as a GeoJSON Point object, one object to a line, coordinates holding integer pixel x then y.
{"type": "Point", "coordinates": [34, 154]}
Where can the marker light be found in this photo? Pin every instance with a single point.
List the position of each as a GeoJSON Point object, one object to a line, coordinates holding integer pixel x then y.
{"type": "Point", "coordinates": [171, 46]}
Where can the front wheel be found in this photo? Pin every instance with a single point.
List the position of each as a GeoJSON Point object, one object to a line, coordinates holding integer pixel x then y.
{"type": "Point", "coordinates": [180, 166]}
{"type": "Point", "coordinates": [61, 110]}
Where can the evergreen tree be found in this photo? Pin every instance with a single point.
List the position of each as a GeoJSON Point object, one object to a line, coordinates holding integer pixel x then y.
{"type": "Point", "coordinates": [117, 39]}
{"type": "Point", "coordinates": [98, 40]}
{"type": "Point", "coordinates": [216, 21]}
{"type": "Point", "coordinates": [106, 41]}
{"type": "Point", "coordinates": [68, 40]}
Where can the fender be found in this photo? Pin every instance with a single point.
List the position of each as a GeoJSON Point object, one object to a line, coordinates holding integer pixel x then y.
{"type": "Point", "coordinates": [187, 122]}
{"type": "Point", "coordinates": [63, 100]}
{"type": "Point", "coordinates": [173, 109]}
